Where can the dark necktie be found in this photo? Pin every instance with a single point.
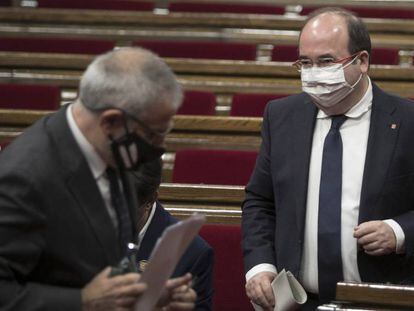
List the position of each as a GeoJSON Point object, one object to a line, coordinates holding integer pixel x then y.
{"type": "Point", "coordinates": [119, 204]}
{"type": "Point", "coordinates": [329, 217]}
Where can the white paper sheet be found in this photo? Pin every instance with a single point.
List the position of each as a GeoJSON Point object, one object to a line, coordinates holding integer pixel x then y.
{"type": "Point", "coordinates": [288, 292]}
{"type": "Point", "coordinates": [165, 256]}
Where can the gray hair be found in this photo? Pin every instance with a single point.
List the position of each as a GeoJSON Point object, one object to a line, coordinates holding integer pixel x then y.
{"type": "Point", "coordinates": [131, 79]}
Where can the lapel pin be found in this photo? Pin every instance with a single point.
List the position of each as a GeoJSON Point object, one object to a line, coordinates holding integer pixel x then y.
{"type": "Point", "coordinates": [393, 126]}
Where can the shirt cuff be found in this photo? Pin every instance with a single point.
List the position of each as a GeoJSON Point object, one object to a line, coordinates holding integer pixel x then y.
{"type": "Point", "coordinates": [399, 235]}
{"type": "Point", "coordinates": [263, 267]}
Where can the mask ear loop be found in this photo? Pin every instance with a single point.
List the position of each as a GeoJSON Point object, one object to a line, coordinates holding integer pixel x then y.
{"type": "Point", "coordinates": [125, 150]}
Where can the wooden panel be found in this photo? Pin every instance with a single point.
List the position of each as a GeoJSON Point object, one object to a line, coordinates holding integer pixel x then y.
{"type": "Point", "coordinates": [376, 294]}
{"type": "Point", "coordinates": [195, 132]}
{"type": "Point", "coordinates": [221, 204]}
{"type": "Point", "coordinates": [179, 19]}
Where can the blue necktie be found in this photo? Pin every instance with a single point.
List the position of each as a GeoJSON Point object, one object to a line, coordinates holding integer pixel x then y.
{"type": "Point", "coordinates": [329, 218]}
{"type": "Point", "coordinates": [119, 204]}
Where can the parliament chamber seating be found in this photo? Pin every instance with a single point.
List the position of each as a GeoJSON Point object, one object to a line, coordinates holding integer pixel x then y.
{"type": "Point", "coordinates": [372, 12]}
{"type": "Point", "coordinates": [384, 56]}
{"type": "Point", "coordinates": [198, 103]}
{"type": "Point", "coordinates": [219, 167]}
{"type": "Point", "coordinates": [55, 45]}
{"type": "Point", "coordinates": [284, 53]}
{"type": "Point", "coordinates": [250, 104]}
{"type": "Point", "coordinates": [97, 4]}
{"type": "Point", "coordinates": [228, 280]}
{"type": "Point", "coordinates": [206, 7]}
{"type": "Point", "coordinates": [36, 97]}
{"type": "Point", "coordinates": [200, 49]}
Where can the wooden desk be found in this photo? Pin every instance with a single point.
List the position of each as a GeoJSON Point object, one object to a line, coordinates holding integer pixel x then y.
{"type": "Point", "coordinates": [123, 26]}
{"type": "Point", "coordinates": [221, 204]}
{"type": "Point", "coordinates": [199, 132]}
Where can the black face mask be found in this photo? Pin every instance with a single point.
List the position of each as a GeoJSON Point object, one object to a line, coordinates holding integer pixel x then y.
{"type": "Point", "coordinates": [130, 151]}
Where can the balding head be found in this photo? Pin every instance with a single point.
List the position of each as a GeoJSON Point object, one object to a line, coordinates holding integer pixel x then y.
{"type": "Point", "coordinates": [132, 79]}
{"type": "Point", "coordinates": [358, 38]}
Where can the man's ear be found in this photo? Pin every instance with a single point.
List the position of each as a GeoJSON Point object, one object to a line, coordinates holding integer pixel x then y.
{"type": "Point", "coordinates": [364, 59]}
{"type": "Point", "coordinates": [111, 121]}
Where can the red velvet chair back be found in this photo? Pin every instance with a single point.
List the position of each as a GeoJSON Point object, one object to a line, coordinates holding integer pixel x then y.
{"type": "Point", "coordinates": [23, 96]}
{"type": "Point", "coordinates": [55, 45]}
{"type": "Point", "coordinates": [285, 53]}
{"type": "Point", "coordinates": [221, 167]}
{"type": "Point", "coordinates": [250, 104]}
{"type": "Point", "coordinates": [372, 12]}
{"type": "Point", "coordinates": [228, 275]}
{"type": "Point", "coordinates": [384, 56]}
{"type": "Point", "coordinates": [198, 103]}
{"type": "Point", "coordinates": [97, 4]}
{"type": "Point", "coordinates": [226, 8]}
{"type": "Point", "coordinates": [5, 3]}
{"type": "Point", "coordinates": [197, 49]}
{"type": "Point", "coordinates": [3, 145]}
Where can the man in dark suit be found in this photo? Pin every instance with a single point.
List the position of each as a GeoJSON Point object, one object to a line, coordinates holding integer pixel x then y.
{"type": "Point", "coordinates": [197, 259]}
{"type": "Point", "coordinates": [331, 196]}
{"type": "Point", "coordinates": [60, 229]}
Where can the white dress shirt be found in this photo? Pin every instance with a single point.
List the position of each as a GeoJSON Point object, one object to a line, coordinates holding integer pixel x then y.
{"type": "Point", "coordinates": [96, 164]}
{"type": "Point", "coordinates": [354, 133]}
{"type": "Point", "coordinates": [144, 229]}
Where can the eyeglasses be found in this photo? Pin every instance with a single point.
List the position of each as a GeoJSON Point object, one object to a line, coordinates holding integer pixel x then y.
{"type": "Point", "coordinates": [322, 62]}
{"type": "Point", "coordinates": [151, 135]}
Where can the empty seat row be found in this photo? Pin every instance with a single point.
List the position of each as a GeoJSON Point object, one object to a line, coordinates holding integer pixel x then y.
{"type": "Point", "coordinates": [47, 97]}
{"type": "Point", "coordinates": [176, 49]}
{"type": "Point", "coordinates": [212, 7]}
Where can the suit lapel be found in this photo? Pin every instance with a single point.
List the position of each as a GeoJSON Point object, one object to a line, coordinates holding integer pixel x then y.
{"type": "Point", "coordinates": [82, 185]}
{"type": "Point", "coordinates": [383, 133]}
{"type": "Point", "coordinates": [158, 223]}
{"type": "Point", "coordinates": [303, 125]}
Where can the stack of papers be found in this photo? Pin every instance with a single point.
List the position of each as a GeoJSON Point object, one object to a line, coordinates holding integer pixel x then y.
{"type": "Point", "coordinates": [288, 292]}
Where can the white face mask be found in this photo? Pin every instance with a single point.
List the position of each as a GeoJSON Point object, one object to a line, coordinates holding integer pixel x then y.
{"type": "Point", "coordinates": [327, 86]}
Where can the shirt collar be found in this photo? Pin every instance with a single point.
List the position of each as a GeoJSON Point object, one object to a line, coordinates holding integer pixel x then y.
{"type": "Point", "coordinates": [359, 109]}
{"type": "Point", "coordinates": [148, 222]}
{"type": "Point", "coordinates": [95, 162]}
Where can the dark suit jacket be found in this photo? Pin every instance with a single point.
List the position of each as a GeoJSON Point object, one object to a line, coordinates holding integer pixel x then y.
{"type": "Point", "coordinates": [55, 232]}
{"type": "Point", "coordinates": [275, 205]}
{"type": "Point", "coordinates": [197, 259]}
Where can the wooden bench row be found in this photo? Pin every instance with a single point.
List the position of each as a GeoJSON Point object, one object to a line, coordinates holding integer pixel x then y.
{"type": "Point", "coordinates": [221, 204]}
{"type": "Point", "coordinates": [219, 84]}
{"type": "Point", "coordinates": [233, 68]}
{"type": "Point", "coordinates": [189, 132]}
{"type": "Point", "coordinates": [122, 26]}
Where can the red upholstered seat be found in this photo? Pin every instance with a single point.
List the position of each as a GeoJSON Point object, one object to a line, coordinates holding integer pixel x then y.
{"type": "Point", "coordinates": [384, 56]}
{"type": "Point", "coordinates": [284, 53]}
{"type": "Point", "coordinates": [250, 104]}
{"type": "Point", "coordinates": [373, 12]}
{"type": "Point", "coordinates": [226, 8]}
{"type": "Point", "coordinates": [197, 49]}
{"type": "Point", "coordinates": [55, 45]}
{"type": "Point", "coordinates": [3, 145]}
{"type": "Point", "coordinates": [23, 96]}
{"type": "Point", "coordinates": [198, 103]}
{"type": "Point", "coordinates": [5, 2]}
{"type": "Point", "coordinates": [228, 275]}
{"type": "Point", "coordinates": [97, 4]}
{"type": "Point", "coordinates": [224, 167]}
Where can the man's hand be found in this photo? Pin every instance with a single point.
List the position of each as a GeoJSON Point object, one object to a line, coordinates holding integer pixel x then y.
{"type": "Point", "coordinates": [376, 237]}
{"type": "Point", "coordinates": [178, 294]}
{"type": "Point", "coordinates": [259, 290]}
{"type": "Point", "coordinates": [112, 293]}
